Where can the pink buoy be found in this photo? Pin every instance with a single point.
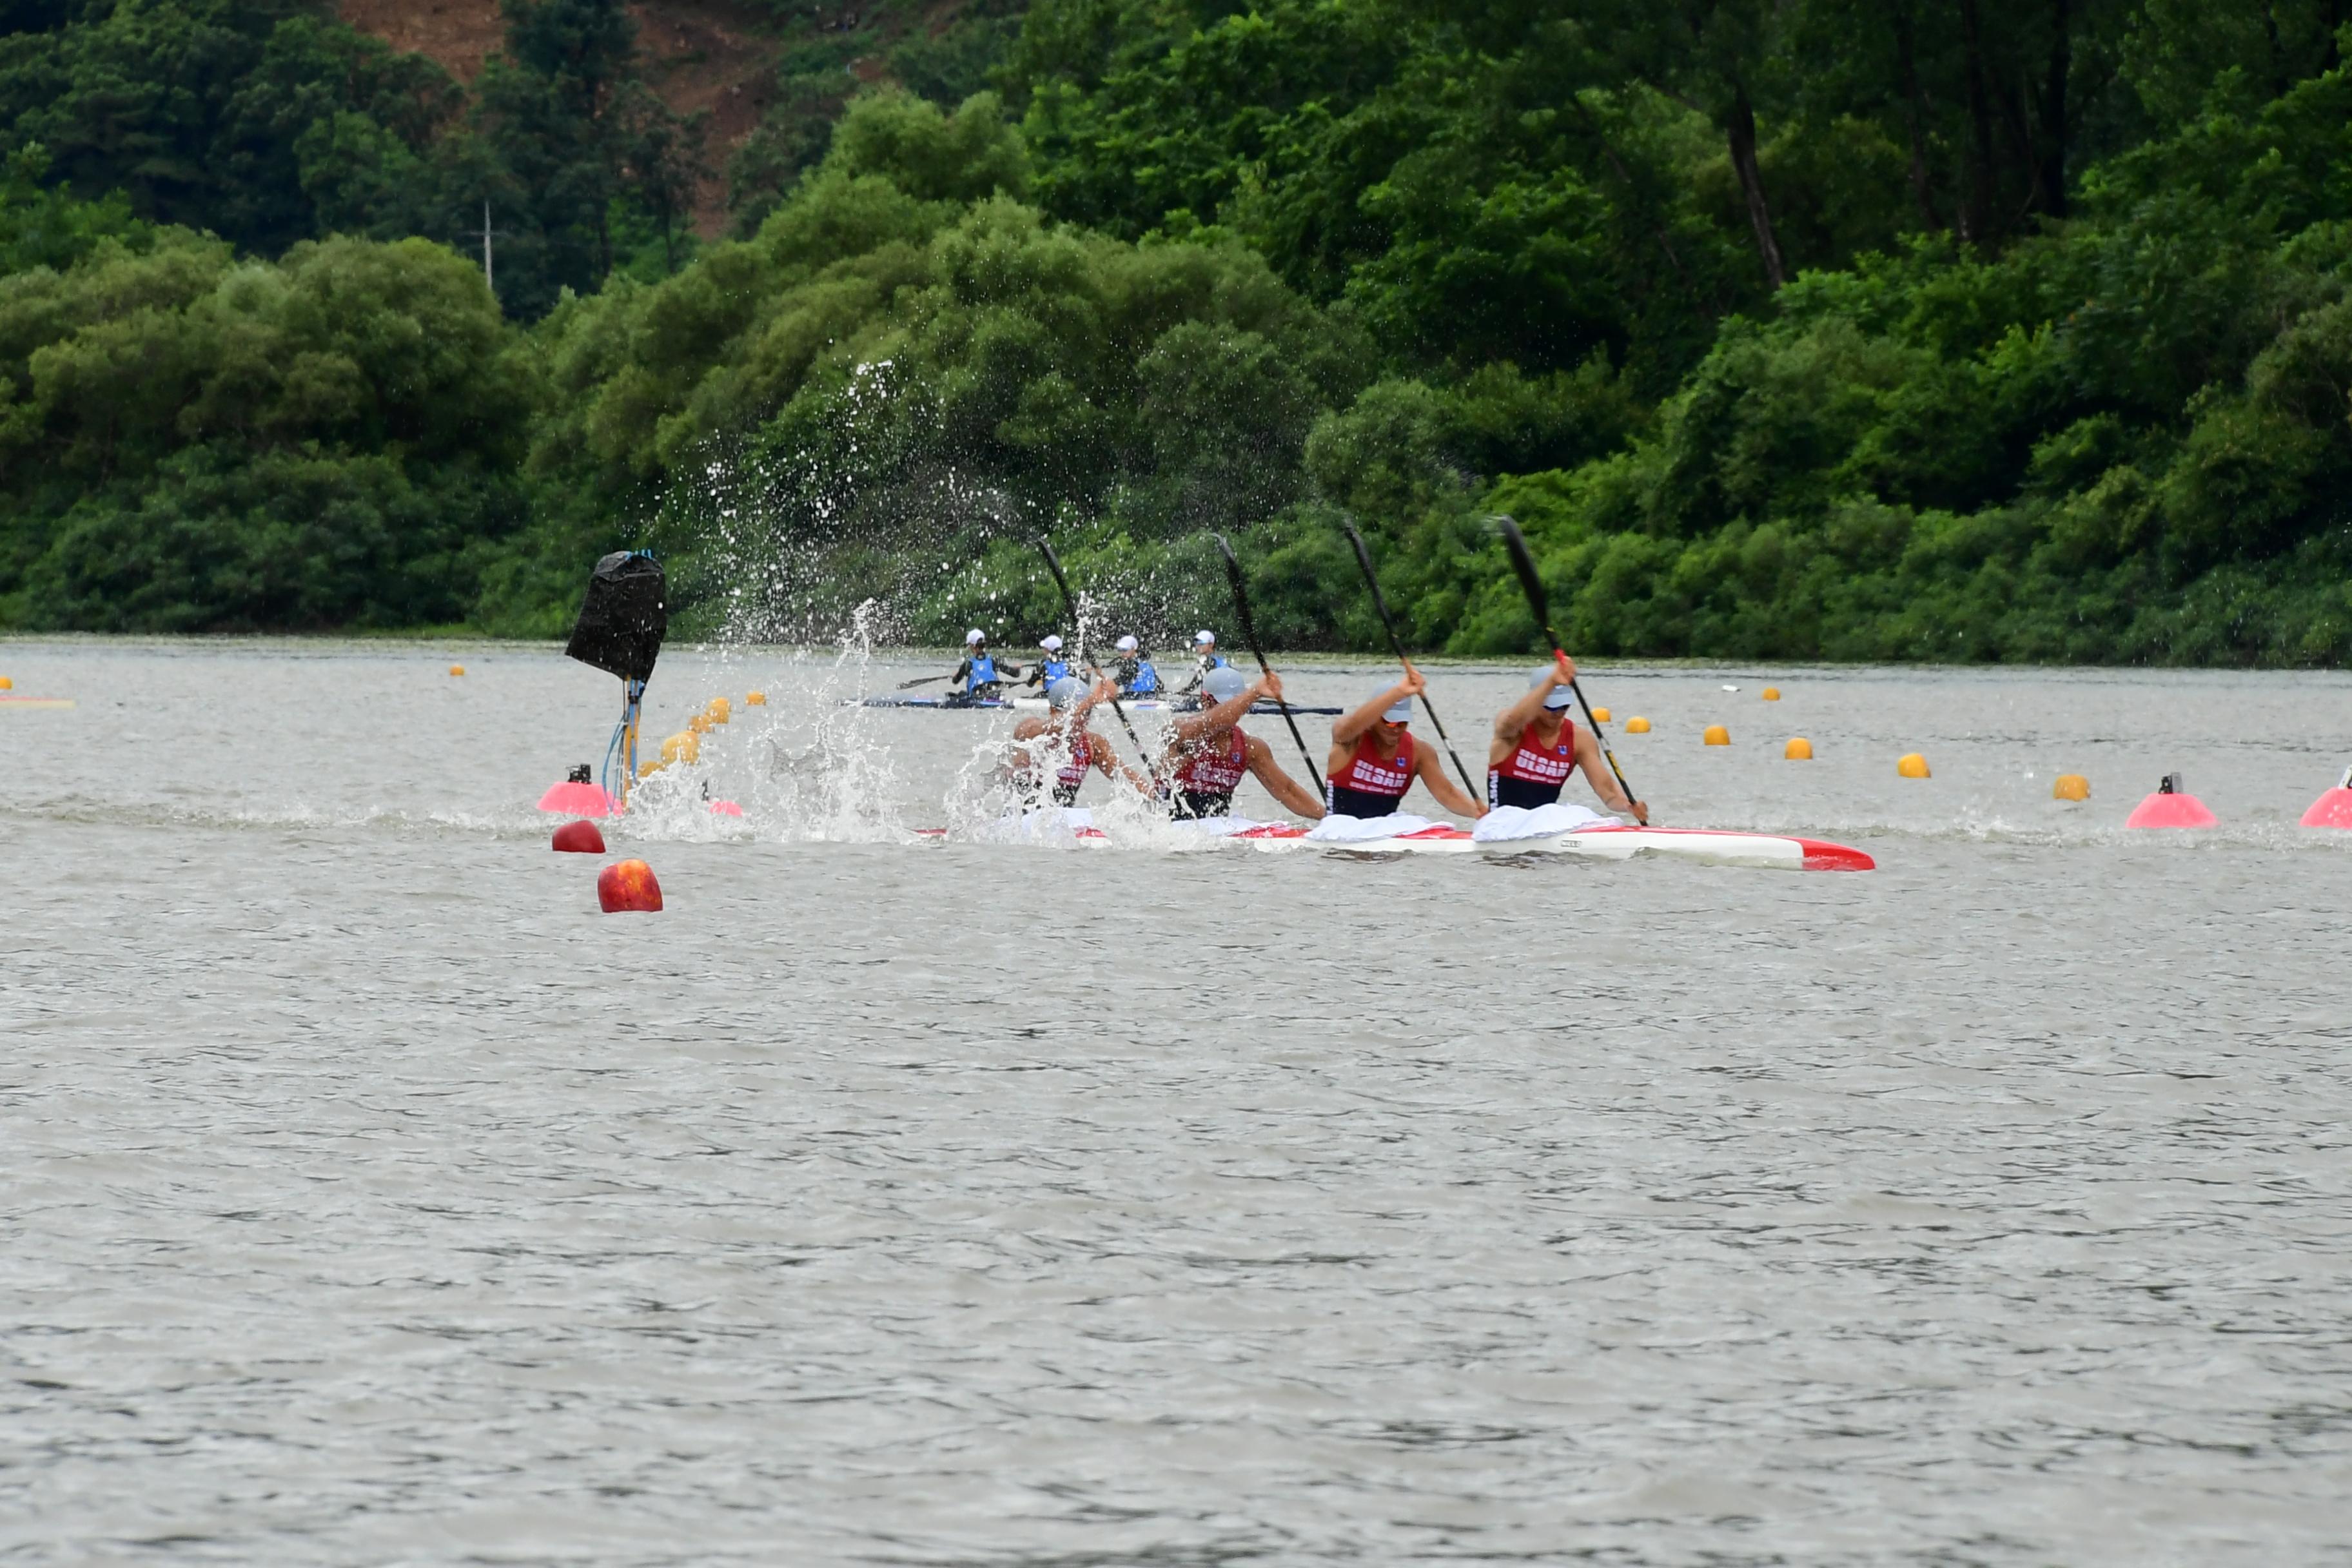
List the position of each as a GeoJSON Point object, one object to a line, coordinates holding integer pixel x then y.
{"type": "Point", "coordinates": [2332, 809]}
{"type": "Point", "coordinates": [2171, 806]}
{"type": "Point", "coordinates": [573, 798]}
{"type": "Point", "coordinates": [725, 808]}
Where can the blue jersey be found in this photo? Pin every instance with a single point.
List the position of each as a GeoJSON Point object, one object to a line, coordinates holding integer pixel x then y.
{"type": "Point", "coordinates": [980, 671]}
{"type": "Point", "coordinates": [1052, 671]}
{"type": "Point", "coordinates": [1142, 680]}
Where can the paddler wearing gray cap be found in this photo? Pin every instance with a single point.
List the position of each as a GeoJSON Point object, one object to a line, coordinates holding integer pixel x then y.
{"type": "Point", "coordinates": [1373, 760]}
{"type": "Point", "coordinates": [1063, 742]}
{"type": "Point", "coordinates": [1208, 756]}
{"type": "Point", "coordinates": [1536, 745]}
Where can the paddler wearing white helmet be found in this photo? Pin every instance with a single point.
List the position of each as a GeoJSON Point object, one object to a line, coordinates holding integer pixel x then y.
{"type": "Point", "coordinates": [1052, 667]}
{"type": "Point", "coordinates": [1135, 675]}
{"type": "Point", "coordinates": [978, 676]}
{"type": "Point", "coordinates": [1536, 745]}
{"type": "Point", "coordinates": [1209, 756]}
{"type": "Point", "coordinates": [1205, 657]}
{"type": "Point", "coordinates": [1051, 755]}
{"type": "Point", "coordinates": [1373, 760]}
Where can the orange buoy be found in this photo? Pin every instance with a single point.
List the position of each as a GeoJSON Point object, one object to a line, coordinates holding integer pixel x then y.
{"type": "Point", "coordinates": [2071, 787]}
{"type": "Point", "coordinates": [579, 838]}
{"type": "Point", "coordinates": [682, 748]}
{"type": "Point", "coordinates": [1912, 765]}
{"type": "Point", "coordinates": [1600, 715]}
{"type": "Point", "coordinates": [1798, 750]}
{"type": "Point", "coordinates": [1771, 694]}
{"type": "Point", "coordinates": [628, 885]}
{"type": "Point", "coordinates": [456, 669]}
{"type": "Point", "coordinates": [718, 713]}
{"type": "Point", "coordinates": [2171, 806]}
{"type": "Point", "coordinates": [1717, 735]}
{"type": "Point", "coordinates": [755, 699]}
{"type": "Point", "coordinates": [699, 725]}
{"type": "Point", "coordinates": [6, 684]}
{"type": "Point", "coordinates": [1637, 725]}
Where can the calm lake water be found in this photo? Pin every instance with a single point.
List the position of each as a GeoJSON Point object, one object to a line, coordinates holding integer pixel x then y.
{"type": "Point", "coordinates": [370, 1197]}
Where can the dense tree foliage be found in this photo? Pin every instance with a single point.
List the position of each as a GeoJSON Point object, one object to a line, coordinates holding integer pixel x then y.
{"type": "Point", "coordinates": [1983, 329]}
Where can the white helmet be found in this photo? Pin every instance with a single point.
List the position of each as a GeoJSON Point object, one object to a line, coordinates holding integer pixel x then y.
{"type": "Point", "coordinates": [1052, 643]}
{"type": "Point", "coordinates": [1204, 639]}
{"type": "Point", "coordinates": [1127, 645]}
{"type": "Point", "coordinates": [974, 637]}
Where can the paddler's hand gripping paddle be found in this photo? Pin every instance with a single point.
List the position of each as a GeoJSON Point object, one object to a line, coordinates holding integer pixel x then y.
{"type": "Point", "coordinates": [1054, 564]}
{"type": "Point", "coordinates": [1249, 637]}
{"type": "Point", "coordinates": [1524, 565]}
{"type": "Point", "coordinates": [1372, 581]}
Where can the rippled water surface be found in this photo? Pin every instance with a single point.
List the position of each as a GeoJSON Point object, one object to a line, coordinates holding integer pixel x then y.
{"type": "Point", "coordinates": [370, 1197]}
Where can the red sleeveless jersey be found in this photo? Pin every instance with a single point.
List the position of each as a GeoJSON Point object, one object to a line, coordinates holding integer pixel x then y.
{"type": "Point", "coordinates": [1368, 775]}
{"type": "Point", "coordinates": [1537, 764]}
{"type": "Point", "coordinates": [1215, 770]}
{"type": "Point", "coordinates": [1073, 772]}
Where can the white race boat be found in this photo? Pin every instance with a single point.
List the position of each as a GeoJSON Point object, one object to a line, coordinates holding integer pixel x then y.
{"type": "Point", "coordinates": [1612, 841]}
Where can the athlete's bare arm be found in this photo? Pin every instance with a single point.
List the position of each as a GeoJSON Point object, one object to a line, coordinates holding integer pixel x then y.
{"type": "Point", "coordinates": [1431, 773]}
{"type": "Point", "coordinates": [1292, 795]}
{"type": "Point", "coordinates": [1349, 727]}
{"type": "Point", "coordinates": [1211, 721]}
{"type": "Point", "coordinates": [1603, 781]}
{"type": "Point", "coordinates": [1112, 767]}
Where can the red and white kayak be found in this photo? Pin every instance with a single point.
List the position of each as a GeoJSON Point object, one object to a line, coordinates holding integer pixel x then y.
{"type": "Point", "coordinates": [1709, 847]}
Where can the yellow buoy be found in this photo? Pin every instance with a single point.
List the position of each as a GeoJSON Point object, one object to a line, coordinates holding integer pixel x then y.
{"type": "Point", "coordinates": [2071, 787]}
{"type": "Point", "coordinates": [1637, 725]}
{"type": "Point", "coordinates": [1771, 694]}
{"type": "Point", "coordinates": [6, 684]}
{"type": "Point", "coordinates": [698, 724]}
{"type": "Point", "coordinates": [1912, 765]}
{"type": "Point", "coordinates": [1798, 750]}
{"type": "Point", "coordinates": [456, 669]}
{"type": "Point", "coordinates": [685, 748]}
{"type": "Point", "coordinates": [1600, 715]}
{"type": "Point", "coordinates": [718, 713]}
{"type": "Point", "coordinates": [646, 769]}
{"type": "Point", "coordinates": [1717, 735]}
{"type": "Point", "coordinates": [755, 699]}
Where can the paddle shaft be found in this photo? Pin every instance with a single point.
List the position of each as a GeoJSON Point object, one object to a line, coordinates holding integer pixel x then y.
{"type": "Point", "coordinates": [1249, 637]}
{"type": "Point", "coordinates": [1054, 564]}
{"type": "Point", "coordinates": [1372, 581]}
{"type": "Point", "coordinates": [1532, 586]}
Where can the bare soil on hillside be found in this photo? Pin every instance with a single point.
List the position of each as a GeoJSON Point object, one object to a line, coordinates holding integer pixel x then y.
{"type": "Point", "coordinates": [702, 55]}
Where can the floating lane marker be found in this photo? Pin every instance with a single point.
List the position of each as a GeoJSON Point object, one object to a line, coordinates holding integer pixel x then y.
{"type": "Point", "coordinates": [1637, 725]}
{"type": "Point", "coordinates": [1717, 735]}
{"type": "Point", "coordinates": [2171, 806]}
{"type": "Point", "coordinates": [1798, 750]}
{"type": "Point", "coordinates": [1912, 765]}
{"type": "Point", "coordinates": [628, 887]}
{"type": "Point", "coordinates": [1771, 694]}
{"type": "Point", "coordinates": [2071, 787]}
{"type": "Point", "coordinates": [579, 838]}
{"type": "Point", "coordinates": [575, 799]}
{"type": "Point", "coordinates": [1600, 715]}
{"type": "Point", "coordinates": [2334, 807]}
{"type": "Point", "coordinates": [755, 699]}
{"type": "Point", "coordinates": [456, 669]}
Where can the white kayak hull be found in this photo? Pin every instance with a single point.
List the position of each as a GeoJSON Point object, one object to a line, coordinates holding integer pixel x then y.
{"type": "Point", "coordinates": [1707, 847]}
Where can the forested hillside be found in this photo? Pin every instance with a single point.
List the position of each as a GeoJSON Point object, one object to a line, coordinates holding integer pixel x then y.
{"type": "Point", "coordinates": [1910, 328]}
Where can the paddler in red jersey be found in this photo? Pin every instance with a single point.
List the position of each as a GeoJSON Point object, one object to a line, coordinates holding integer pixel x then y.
{"type": "Point", "coordinates": [1209, 756]}
{"type": "Point", "coordinates": [1373, 760]}
{"type": "Point", "coordinates": [1536, 745]}
{"type": "Point", "coordinates": [1061, 747]}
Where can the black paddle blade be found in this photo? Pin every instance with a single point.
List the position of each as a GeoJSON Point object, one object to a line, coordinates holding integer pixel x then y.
{"type": "Point", "coordinates": [624, 617]}
{"type": "Point", "coordinates": [1524, 565]}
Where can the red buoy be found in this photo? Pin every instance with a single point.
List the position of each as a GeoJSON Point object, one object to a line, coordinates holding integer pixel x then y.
{"type": "Point", "coordinates": [2171, 806]}
{"type": "Point", "coordinates": [579, 838]}
{"type": "Point", "coordinates": [628, 885]}
{"type": "Point", "coordinates": [2333, 810]}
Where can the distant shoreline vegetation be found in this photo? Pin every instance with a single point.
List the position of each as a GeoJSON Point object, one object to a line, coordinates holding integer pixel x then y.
{"type": "Point", "coordinates": [1832, 332]}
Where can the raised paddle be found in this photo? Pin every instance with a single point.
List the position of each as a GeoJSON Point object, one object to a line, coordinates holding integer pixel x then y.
{"type": "Point", "coordinates": [1054, 564]}
{"type": "Point", "coordinates": [1524, 565]}
{"type": "Point", "coordinates": [927, 680]}
{"type": "Point", "coordinates": [1249, 637]}
{"type": "Point", "coordinates": [1372, 581]}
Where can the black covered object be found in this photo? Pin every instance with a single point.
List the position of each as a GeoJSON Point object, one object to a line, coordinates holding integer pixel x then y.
{"type": "Point", "coordinates": [624, 617]}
